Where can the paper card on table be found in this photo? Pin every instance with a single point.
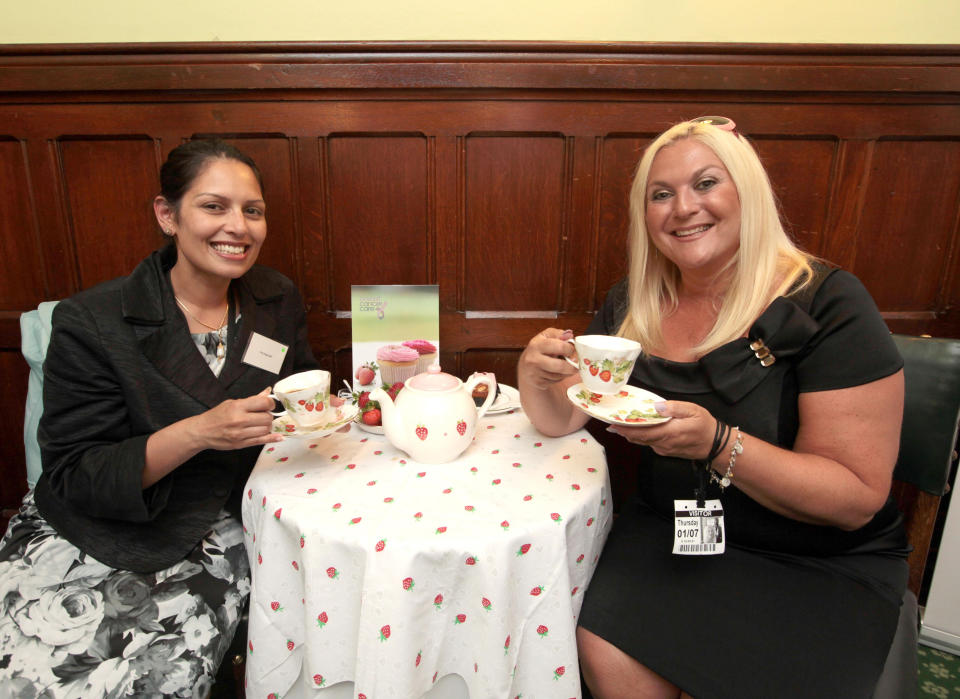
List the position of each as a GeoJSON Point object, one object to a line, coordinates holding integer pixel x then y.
{"type": "Point", "coordinates": [391, 314]}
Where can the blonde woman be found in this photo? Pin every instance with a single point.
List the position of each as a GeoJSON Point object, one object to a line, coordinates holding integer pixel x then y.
{"type": "Point", "coordinates": [785, 394]}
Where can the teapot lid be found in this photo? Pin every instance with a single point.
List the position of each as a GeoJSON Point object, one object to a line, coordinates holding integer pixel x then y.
{"type": "Point", "coordinates": [433, 380]}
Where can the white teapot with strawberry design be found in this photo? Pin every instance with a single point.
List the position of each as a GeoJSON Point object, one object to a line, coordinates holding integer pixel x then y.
{"type": "Point", "coordinates": [434, 416]}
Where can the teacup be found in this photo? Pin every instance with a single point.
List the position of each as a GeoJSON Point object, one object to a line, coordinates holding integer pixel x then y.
{"type": "Point", "coordinates": [605, 362]}
{"type": "Point", "coordinates": [305, 397]}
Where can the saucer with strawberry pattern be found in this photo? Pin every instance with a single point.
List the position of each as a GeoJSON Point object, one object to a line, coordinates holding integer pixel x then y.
{"type": "Point", "coordinates": [288, 428]}
{"type": "Point", "coordinates": [631, 406]}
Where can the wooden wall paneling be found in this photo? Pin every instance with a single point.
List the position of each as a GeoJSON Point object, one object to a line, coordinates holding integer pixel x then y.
{"type": "Point", "coordinates": [49, 204]}
{"type": "Point", "coordinates": [912, 194]}
{"type": "Point", "coordinates": [13, 464]}
{"type": "Point", "coordinates": [275, 156]}
{"type": "Point", "coordinates": [514, 215]}
{"type": "Point", "coordinates": [22, 283]}
{"type": "Point", "coordinates": [503, 363]}
{"type": "Point", "coordinates": [499, 171]}
{"type": "Point", "coordinates": [838, 244]}
{"type": "Point", "coordinates": [619, 153]}
{"type": "Point", "coordinates": [311, 202]}
{"type": "Point", "coordinates": [448, 219]}
{"type": "Point", "coordinates": [800, 170]}
{"type": "Point", "coordinates": [580, 225]}
{"type": "Point", "coordinates": [110, 184]}
{"type": "Point", "coordinates": [380, 230]}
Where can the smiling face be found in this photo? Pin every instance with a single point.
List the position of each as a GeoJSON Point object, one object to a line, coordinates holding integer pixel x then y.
{"type": "Point", "coordinates": [692, 209]}
{"type": "Point", "coordinates": [219, 225]}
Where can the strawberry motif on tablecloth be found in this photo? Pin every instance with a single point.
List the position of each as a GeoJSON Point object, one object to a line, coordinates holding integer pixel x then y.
{"type": "Point", "coordinates": [526, 477]}
{"type": "Point", "coordinates": [333, 573]}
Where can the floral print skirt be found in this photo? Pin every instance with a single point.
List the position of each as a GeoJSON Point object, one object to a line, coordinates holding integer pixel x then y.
{"type": "Point", "coordinates": [71, 626]}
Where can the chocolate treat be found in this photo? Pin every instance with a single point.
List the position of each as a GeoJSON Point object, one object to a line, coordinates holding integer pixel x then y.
{"type": "Point", "coordinates": [480, 392]}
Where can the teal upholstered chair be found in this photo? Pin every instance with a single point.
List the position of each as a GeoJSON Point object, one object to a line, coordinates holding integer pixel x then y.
{"type": "Point", "coordinates": [927, 451]}
{"type": "Point", "coordinates": [34, 338]}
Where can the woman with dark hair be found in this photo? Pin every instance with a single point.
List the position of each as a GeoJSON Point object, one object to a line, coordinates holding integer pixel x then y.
{"type": "Point", "coordinates": [784, 393]}
{"type": "Point", "coordinates": [125, 572]}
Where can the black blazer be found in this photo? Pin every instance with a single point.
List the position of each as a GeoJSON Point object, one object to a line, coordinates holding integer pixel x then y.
{"type": "Point", "coordinates": [121, 365]}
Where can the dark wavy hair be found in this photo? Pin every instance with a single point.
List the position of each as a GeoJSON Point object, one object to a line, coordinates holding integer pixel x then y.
{"type": "Point", "coordinates": [188, 160]}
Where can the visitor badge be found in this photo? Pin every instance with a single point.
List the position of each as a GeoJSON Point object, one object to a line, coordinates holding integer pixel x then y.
{"type": "Point", "coordinates": [264, 353]}
{"type": "Point", "coordinates": [698, 531]}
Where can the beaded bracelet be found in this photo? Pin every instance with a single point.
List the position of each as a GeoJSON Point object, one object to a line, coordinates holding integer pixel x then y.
{"type": "Point", "coordinates": [736, 449]}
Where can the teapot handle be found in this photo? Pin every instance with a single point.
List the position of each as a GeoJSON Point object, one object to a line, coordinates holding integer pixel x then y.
{"type": "Point", "coordinates": [472, 383]}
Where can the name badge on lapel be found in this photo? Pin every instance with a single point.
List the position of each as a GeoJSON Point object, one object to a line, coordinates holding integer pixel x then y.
{"type": "Point", "coordinates": [264, 353]}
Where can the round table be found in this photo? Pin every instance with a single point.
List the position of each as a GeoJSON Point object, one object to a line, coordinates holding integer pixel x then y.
{"type": "Point", "coordinates": [400, 577]}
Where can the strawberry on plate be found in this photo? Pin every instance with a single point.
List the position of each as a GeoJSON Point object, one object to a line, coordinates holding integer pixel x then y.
{"type": "Point", "coordinates": [366, 373]}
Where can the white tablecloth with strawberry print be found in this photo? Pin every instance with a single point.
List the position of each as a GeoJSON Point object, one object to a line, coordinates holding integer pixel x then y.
{"type": "Point", "coordinates": [372, 568]}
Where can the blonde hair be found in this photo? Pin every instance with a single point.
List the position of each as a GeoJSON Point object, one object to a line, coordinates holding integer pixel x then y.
{"type": "Point", "coordinates": [766, 265]}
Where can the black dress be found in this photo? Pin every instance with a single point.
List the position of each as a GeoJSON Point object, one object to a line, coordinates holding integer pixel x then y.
{"type": "Point", "coordinates": [790, 609]}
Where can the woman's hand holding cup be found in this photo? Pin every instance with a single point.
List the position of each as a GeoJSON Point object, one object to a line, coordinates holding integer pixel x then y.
{"type": "Point", "coordinates": [236, 424]}
{"type": "Point", "coordinates": [544, 360]}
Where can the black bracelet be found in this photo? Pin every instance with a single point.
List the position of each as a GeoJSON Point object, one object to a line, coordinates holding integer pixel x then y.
{"type": "Point", "coordinates": [720, 437]}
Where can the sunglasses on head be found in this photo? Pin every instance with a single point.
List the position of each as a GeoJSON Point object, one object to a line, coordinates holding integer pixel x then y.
{"type": "Point", "coordinates": [721, 122]}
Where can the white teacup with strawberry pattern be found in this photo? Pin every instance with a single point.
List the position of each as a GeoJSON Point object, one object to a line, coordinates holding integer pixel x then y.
{"type": "Point", "coordinates": [305, 397]}
{"type": "Point", "coordinates": [605, 361]}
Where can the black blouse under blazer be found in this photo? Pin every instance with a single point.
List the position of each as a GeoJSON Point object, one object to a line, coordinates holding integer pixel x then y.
{"type": "Point", "coordinates": [121, 365]}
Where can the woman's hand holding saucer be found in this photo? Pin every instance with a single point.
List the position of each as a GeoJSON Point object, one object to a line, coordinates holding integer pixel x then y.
{"type": "Point", "coordinates": [689, 435]}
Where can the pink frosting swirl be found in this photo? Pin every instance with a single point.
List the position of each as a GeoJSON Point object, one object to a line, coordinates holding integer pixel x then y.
{"type": "Point", "coordinates": [421, 346]}
{"type": "Point", "coordinates": [397, 353]}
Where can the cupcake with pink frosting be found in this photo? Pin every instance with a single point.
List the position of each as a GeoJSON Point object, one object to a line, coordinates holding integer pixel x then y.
{"type": "Point", "coordinates": [427, 352]}
{"type": "Point", "coordinates": [397, 363]}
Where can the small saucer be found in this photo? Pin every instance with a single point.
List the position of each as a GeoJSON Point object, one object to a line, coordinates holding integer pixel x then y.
{"type": "Point", "coordinates": [288, 428]}
{"type": "Point", "coordinates": [373, 429]}
{"type": "Point", "coordinates": [507, 399]}
{"type": "Point", "coordinates": [631, 406]}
